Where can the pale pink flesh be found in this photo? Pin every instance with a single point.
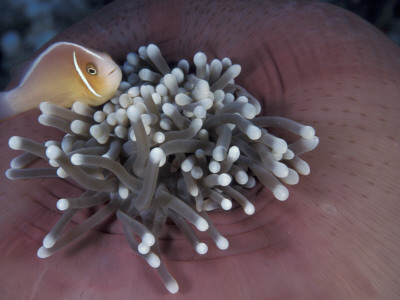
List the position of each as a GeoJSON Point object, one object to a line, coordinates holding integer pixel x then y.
{"type": "Point", "coordinates": [336, 237]}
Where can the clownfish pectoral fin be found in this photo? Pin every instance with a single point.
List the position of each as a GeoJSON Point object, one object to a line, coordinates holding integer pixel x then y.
{"type": "Point", "coordinates": [5, 110]}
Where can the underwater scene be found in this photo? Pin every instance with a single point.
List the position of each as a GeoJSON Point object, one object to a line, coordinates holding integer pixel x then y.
{"type": "Point", "coordinates": [179, 149]}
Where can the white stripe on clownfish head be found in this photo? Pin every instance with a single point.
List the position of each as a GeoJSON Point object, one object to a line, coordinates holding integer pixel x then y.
{"type": "Point", "coordinates": [83, 77]}
{"type": "Point", "coordinates": [87, 51]}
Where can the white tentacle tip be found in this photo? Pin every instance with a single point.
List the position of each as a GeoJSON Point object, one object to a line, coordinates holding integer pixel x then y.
{"type": "Point", "coordinates": [249, 209]}
{"type": "Point", "coordinates": [253, 132]}
{"type": "Point", "coordinates": [224, 179]}
{"type": "Point", "coordinates": [143, 248]}
{"type": "Point", "coordinates": [15, 142]}
{"type": "Point", "coordinates": [280, 146]}
{"type": "Point", "coordinates": [200, 59]}
{"type": "Point", "coordinates": [172, 286]}
{"type": "Point", "coordinates": [168, 108]}
{"type": "Point", "coordinates": [53, 152]}
{"type": "Point", "coordinates": [307, 132]}
{"type": "Point", "coordinates": [49, 241]}
{"type": "Point", "coordinates": [222, 243]}
{"type": "Point", "coordinates": [152, 49]}
{"type": "Point", "coordinates": [43, 252]}
{"type": "Point", "coordinates": [153, 260]}
{"type": "Point", "coordinates": [77, 159]}
{"type": "Point", "coordinates": [156, 155]}
{"type": "Point", "coordinates": [226, 204]}
{"type": "Point", "coordinates": [9, 173]}
{"type": "Point", "coordinates": [45, 107]}
{"type": "Point", "coordinates": [281, 193]}
{"type": "Point", "coordinates": [201, 224]}
{"type": "Point", "coordinates": [63, 204]}
{"type": "Point", "coordinates": [148, 239]}
{"type": "Point", "coordinates": [201, 248]}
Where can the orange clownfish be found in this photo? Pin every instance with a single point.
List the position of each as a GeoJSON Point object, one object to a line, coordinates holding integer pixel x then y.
{"type": "Point", "coordinates": [62, 74]}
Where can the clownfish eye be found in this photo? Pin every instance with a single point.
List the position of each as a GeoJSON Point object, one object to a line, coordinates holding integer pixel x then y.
{"type": "Point", "coordinates": [91, 69]}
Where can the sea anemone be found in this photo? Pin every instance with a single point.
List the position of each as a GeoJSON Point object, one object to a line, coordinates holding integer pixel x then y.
{"type": "Point", "coordinates": [172, 143]}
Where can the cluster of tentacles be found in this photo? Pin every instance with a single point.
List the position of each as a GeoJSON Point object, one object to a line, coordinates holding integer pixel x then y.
{"type": "Point", "coordinates": [172, 143]}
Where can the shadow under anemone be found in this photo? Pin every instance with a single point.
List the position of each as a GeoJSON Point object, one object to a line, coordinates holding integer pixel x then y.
{"type": "Point", "coordinates": [172, 143]}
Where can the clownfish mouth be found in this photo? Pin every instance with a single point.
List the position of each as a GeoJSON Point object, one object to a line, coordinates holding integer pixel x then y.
{"type": "Point", "coordinates": [112, 71]}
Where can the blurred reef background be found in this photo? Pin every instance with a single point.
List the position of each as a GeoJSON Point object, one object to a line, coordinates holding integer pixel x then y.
{"type": "Point", "coordinates": [25, 25]}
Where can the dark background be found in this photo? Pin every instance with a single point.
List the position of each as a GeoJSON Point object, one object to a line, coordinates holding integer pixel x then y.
{"type": "Point", "coordinates": [25, 25]}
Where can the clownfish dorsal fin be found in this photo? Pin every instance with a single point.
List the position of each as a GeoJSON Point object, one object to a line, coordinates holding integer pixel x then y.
{"type": "Point", "coordinates": [39, 59]}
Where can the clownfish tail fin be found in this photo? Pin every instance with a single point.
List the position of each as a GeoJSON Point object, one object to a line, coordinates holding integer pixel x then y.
{"type": "Point", "coordinates": [5, 110]}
